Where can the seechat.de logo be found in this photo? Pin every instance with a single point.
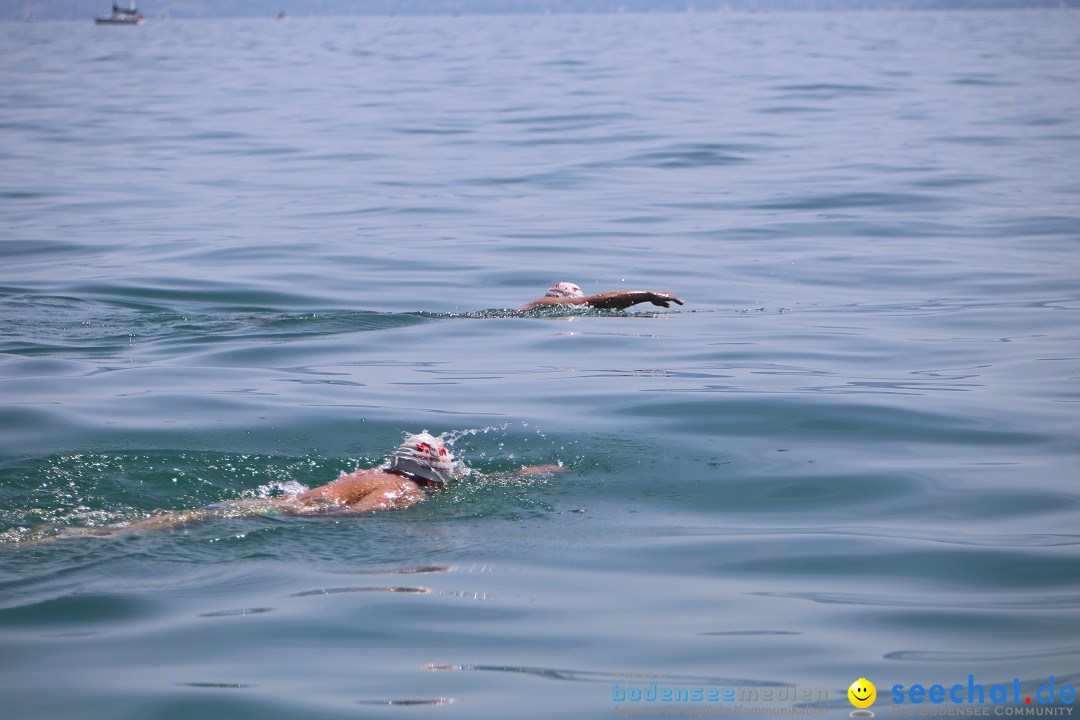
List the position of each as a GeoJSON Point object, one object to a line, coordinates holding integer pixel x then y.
{"type": "Point", "coordinates": [976, 694]}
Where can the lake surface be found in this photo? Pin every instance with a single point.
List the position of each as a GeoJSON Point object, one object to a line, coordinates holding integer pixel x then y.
{"type": "Point", "coordinates": [237, 256]}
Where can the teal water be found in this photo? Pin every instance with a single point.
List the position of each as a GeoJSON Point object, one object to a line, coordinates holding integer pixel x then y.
{"type": "Point", "coordinates": [242, 255]}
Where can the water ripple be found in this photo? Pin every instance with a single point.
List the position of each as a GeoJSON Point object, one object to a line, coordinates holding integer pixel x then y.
{"type": "Point", "coordinates": [968, 657]}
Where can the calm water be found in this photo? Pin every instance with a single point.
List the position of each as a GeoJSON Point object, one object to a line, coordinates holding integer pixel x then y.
{"type": "Point", "coordinates": [238, 255]}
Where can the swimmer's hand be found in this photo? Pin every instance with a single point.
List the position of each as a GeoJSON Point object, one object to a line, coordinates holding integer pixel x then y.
{"type": "Point", "coordinates": [663, 299]}
{"type": "Point", "coordinates": [540, 469]}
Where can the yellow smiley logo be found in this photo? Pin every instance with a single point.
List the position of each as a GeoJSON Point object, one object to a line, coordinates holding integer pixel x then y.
{"type": "Point", "coordinates": [862, 693]}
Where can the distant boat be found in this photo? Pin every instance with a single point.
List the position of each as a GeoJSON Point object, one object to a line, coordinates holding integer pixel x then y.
{"type": "Point", "coordinates": [283, 15]}
{"type": "Point", "coordinates": [121, 16]}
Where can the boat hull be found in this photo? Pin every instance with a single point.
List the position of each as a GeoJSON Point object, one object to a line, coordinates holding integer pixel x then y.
{"type": "Point", "coordinates": [119, 20]}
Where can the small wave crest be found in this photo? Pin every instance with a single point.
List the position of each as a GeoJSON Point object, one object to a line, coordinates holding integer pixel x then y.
{"type": "Point", "coordinates": [280, 488]}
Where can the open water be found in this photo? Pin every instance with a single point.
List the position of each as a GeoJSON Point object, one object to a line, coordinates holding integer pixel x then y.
{"type": "Point", "coordinates": [240, 255]}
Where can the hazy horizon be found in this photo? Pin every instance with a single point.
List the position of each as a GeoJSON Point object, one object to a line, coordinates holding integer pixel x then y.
{"type": "Point", "coordinates": [157, 9]}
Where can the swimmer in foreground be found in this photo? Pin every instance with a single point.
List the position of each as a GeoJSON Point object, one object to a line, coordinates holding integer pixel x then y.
{"type": "Point", "coordinates": [565, 293]}
{"type": "Point", "coordinates": [422, 463]}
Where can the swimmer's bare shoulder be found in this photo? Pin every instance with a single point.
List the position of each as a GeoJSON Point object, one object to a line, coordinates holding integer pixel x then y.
{"type": "Point", "coordinates": [363, 491]}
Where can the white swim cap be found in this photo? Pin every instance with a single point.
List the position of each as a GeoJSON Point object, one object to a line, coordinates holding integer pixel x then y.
{"type": "Point", "coordinates": [424, 456]}
{"type": "Point", "coordinates": [565, 290]}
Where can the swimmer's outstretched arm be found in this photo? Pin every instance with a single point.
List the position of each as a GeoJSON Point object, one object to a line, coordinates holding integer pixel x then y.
{"type": "Point", "coordinates": [616, 300]}
{"type": "Point", "coordinates": [156, 522]}
{"type": "Point", "coordinates": [540, 469]}
{"type": "Point", "coordinates": [362, 491]}
{"type": "Point", "coordinates": [357, 492]}
{"type": "Point", "coordinates": [621, 299]}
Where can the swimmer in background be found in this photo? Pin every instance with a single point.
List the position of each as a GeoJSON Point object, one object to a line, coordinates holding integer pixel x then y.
{"type": "Point", "coordinates": [420, 465]}
{"type": "Point", "coordinates": [564, 293]}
